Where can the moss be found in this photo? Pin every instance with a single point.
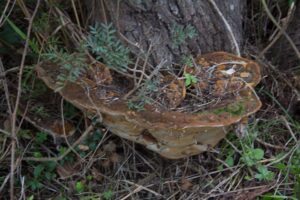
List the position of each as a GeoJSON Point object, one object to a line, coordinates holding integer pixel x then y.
{"type": "Point", "coordinates": [235, 109]}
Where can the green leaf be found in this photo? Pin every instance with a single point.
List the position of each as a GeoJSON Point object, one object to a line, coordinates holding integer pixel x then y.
{"type": "Point", "coordinates": [258, 154]}
{"type": "Point", "coordinates": [35, 184]}
{"type": "Point", "coordinates": [108, 195]}
{"type": "Point", "coordinates": [38, 171]}
{"type": "Point", "coordinates": [37, 154]}
{"type": "Point", "coordinates": [194, 79]}
{"type": "Point", "coordinates": [79, 186]}
{"type": "Point", "coordinates": [280, 166]}
{"type": "Point", "coordinates": [30, 198]}
{"type": "Point", "coordinates": [264, 173]}
{"type": "Point", "coordinates": [32, 44]}
{"type": "Point", "coordinates": [41, 137]}
{"type": "Point", "coordinates": [229, 161]}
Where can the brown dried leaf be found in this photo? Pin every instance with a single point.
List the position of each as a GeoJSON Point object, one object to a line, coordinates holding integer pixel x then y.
{"type": "Point", "coordinates": [114, 158]}
{"type": "Point", "coordinates": [106, 163]}
{"type": "Point", "coordinates": [83, 147]}
{"type": "Point", "coordinates": [110, 147]}
{"type": "Point", "coordinates": [96, 174]}
{"type": "Point", "coordinates": [58, 128]}
{"type": "Point", "coordinates": [186, 184]}
{"type": "Point", "coordinates": [66, 170]}
{"type": "Point", "coordinates": [7, 125]}
{"type": "Point", "coordinates": [175, 90]}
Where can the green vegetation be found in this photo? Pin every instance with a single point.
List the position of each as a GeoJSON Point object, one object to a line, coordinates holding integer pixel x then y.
{"type": "Point", "coordinates": [236, 108]}
{"type": "Point", "coordinates": [71, 64]}
{"type": "Point", "coordinates": [190, 79]}
{"type": "Point", "coordinates": [180, 33]}
{"type": "Point", "coordinates": [187, 60]}
{"type": "Point", "coordinates": [103, 43]}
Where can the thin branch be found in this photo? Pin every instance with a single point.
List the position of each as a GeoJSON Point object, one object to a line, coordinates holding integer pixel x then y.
{"type": "Point", "coordinates": [6, 91]}
{"type": "Point", "coordinates": [75, 12]}
{"type": "Point", "coordinates": [228, 27]}
{"type": "Point", "coordinates": [14, 114]}
{"type": "Point", "coordinates": [281, 29]}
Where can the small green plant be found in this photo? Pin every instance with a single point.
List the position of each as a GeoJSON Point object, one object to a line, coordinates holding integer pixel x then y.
{"type": "Point", "coordinates": [234, 109]}
{"type": "Point", "coordinates": [40, 111]}
{"type": "Point", "coordinates": [41, 23]}
{"type": "Point", "coordinates": [264, 174]}
{"type": "Point", "coordinates": [41, 137]}
{"type": "Point", "coordinates": [138, 103]}
{"type": "Point", "coordinates": [180, 33]}
{"type": "Point", "coordinates": [190, 79]}
{"type": "Point", "coordinates": [251, 156]}
{"type": "Point", "coordinates": [107, 195]}
{"type": "Point", "coordinates": [91, 142]}
{"type": "Point", "coordinates": [188, 61]}
{"type": "Point", "coordinates": [42, 172]}
{"type": "Point", "coordinates": [69, 158]}
{"type": "Point", "coordinates": [104, 44]}
{"type": "Point", "coordinates": [79, 186]}
{"type": "Point", "coordinates": [72, 65]}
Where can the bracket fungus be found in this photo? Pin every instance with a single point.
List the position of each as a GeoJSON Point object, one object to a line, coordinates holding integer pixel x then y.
{"type": "Point", "coordinates": [226, 82]}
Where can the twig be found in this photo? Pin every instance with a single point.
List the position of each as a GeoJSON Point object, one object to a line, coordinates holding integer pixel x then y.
{"type": "Point", "coordinates": [270, 145]}
{"type": "Point", "coordinates": [6, 91]}
{"type": "Point", "coordinates": [280, 28]}
{"type": "Point", "coordinates": [4, 16]}
{"type": "Point", "coordinates": [14, 114]}
{"type": "Point", "coordinates": [64, 128]}
{"type": "Point", "coordinates": [139, 188]}
{"type": "Point", "coordinates": [75, 12]}
{"type": "Point", "coordinates": [289, 128]}
{"type": "Point", "coordinates": [228, 27]}
{"type": "Point", "coordinates": [281, 31]}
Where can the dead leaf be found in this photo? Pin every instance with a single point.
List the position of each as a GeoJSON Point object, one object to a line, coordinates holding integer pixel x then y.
{"type": "Point", "coordinates": [106, 163]}
{"type": "Point", "coordinates": [244, 74]}
{"type": "Point", "coordinates": [186, 184]}
{"type": "Point", "coordinates": [96, 174]}
{"type": "Point", "coordinates": [7, 125]}
{"type": "Point", "coordinates": [83, 147]}
{"type": "Point", "coordinates": [110, 147]}
{"type": "Point", "coordinates": [58, 128]}
{"type": "Point", "coordinates": [66, 170]}
{"type": "Point", "coordinates": [114, 158]}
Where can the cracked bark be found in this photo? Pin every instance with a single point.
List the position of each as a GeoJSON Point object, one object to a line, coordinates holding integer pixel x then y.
{"type": "Point", "coordinates": [144, 22]}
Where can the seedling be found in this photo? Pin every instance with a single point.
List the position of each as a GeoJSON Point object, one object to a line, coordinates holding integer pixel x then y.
{"type": "Point", "coordinates": [190, 79]}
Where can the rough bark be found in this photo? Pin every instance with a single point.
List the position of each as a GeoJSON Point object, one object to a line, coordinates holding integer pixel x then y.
{"type": "Point", "coordinates": [144, 22]}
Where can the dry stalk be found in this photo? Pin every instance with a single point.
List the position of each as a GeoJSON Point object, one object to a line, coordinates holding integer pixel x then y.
{"type": "Point", "coordinates": [228, 27]}
{"type": "Point", "coordinates": [75, 12]}
{"type": "Point", "coordinates": [14, 114]}
{"type": "Point", "coordinates": [6, 91]}
{"type": "Point", "coordinates": [281, 29]}
{"type": "Point", "coordinates": [4, 16]}
{"type": "Point", "coordinates": [64, 128]}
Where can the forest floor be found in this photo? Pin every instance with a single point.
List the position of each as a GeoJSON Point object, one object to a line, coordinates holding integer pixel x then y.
{"type": "Point", "coordinates": [264, 163]}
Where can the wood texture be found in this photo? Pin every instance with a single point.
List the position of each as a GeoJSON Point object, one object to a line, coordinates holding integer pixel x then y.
{"type": "Point", "coordinates": [144, 22]}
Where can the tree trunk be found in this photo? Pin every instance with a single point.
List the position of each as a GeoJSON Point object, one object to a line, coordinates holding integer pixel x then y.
{"type": "Point", "coordinates": [282, 53]}
{"type": "Point", "coordinates": [153, 22]}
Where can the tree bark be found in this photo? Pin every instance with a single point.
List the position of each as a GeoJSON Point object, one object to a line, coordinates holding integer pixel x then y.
{"type": "Point", "coordinates": [282, 53]}
{"type": "Point", "coordinates": [145, 22]}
